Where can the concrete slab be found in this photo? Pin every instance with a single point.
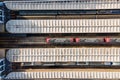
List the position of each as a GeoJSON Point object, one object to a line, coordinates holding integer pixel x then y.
{"type": "Point", "coordinates": [2, 28]}
{"type": "Point", "coordinates": [2, 53]}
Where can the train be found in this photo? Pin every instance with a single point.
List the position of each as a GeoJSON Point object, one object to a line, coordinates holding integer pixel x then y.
{"type": "Point", "coordinates": [96, 40]}
{"type": "Point", "coordinates": [59, 40]}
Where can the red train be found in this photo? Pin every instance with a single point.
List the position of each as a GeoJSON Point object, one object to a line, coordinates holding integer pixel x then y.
{"type": "Point", "coordinates": [81, 40]}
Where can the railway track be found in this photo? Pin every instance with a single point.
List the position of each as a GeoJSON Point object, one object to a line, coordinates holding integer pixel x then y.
{"type": "Point", "coordinates": [62, 40]}
{"type": "Point", "coordinates": [107, 16]}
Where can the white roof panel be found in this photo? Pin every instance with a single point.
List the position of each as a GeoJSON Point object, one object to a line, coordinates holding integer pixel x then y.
{"type": "Point", "coordinates": [64, 26]}
{"type": "Point", "coordinates": [64, 55]}
{"type": "Point", "coordinates": [66, 74]}
{"type": "Point", "coordinates": [62, 4]}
